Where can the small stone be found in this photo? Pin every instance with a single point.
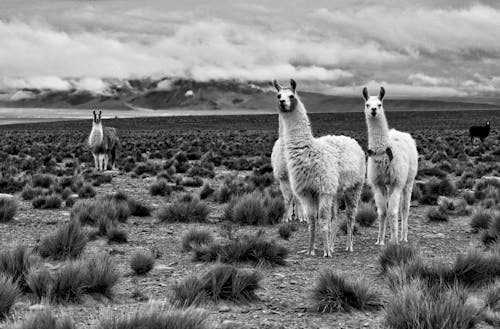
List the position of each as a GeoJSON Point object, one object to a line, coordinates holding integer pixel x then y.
{"type": "Point", "coordinates": [224, 309]}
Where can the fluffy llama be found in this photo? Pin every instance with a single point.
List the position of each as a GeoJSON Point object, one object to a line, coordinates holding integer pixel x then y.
{"type": "Point", "coordinates": [103, 143]}
{"type": "Point", "coordinates": [392, 167]}
{"type": "Point", "coordinates": [319, 168]}
{"type": "Point", "coordinates": [280, 171]}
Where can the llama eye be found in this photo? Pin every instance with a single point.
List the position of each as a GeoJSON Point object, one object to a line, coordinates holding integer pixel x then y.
{"type": "Point", "coordinates": [292, 97]}
{"type": "Point", "coordinates": [379, 105]}
{"type": "Point", "coordinates": [279, 96]}
{"type": "Point", "coordinates": [367, 105]}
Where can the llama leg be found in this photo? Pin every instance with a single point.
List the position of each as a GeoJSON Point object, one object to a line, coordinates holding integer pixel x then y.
{"type": "Point", "coordinates": [381, 203]}
{"type": "Point", "coordinates": [113, 159]}
{"type": "Point", "coordinates": [96, 165]}
{"type": "Point", "coordinates": [352, 197]}
{"type": "Point", "coordinates": [101, 162]}
{"type": "Point", "coordinates": [299, 210]}
{"type": "Point", "coordinates": [286, 191]}
{"type": "Point", "coordinates": [325, 222]}
{"type": "Point", "coordinates": [311, 209]}
{"type": "Point", "coordinates": [106, 159]}
{"type": "Point", "coordinates": [392, 212]}
{"type": "Point", "coordinates": [334, 223]}
{"type": "Point", "coordinates": [405, 203]}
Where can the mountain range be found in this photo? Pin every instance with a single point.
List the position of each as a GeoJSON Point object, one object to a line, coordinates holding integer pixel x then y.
{"type": "Point", "coordinates": [229, 95]}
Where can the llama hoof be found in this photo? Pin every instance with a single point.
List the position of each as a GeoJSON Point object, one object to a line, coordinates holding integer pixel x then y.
{"type": "Point", "coordinates": [311, 253]}
{"type": "Point", "coordinates": [349, 249]}
{"type": "Point", "coordinates": [327, 255]}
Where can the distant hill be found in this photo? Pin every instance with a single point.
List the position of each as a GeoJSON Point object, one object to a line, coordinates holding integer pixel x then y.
{"type": "Point", "coordinates": [214, 95]}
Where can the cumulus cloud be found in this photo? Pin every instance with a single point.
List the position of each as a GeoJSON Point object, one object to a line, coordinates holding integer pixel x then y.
{"type": "Point", "coordinates": [449, 48]}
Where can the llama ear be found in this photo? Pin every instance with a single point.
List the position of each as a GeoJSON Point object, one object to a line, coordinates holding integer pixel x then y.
{"type": "Point", "coordinates": [277, 85]}
{"type": "Point", "coordinates": [293, 84]}
{"type": "Point", "coordinates": [382, 93]}
{"type": "Point", "coordinates": [365, 93]}
{"type": "Point", "coordinates": [100, 112]}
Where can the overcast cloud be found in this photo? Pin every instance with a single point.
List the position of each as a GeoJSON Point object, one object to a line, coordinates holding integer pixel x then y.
{"type": "Point", "coordinates": [416, 48]}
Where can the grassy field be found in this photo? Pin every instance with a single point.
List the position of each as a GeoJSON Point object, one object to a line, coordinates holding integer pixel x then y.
{"type": "Point", "coordinates": [211, 176]}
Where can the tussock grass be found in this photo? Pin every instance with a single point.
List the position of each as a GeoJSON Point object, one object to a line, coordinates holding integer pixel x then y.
{"type": "Point", "coordinates": [16, 263]}
{"type": "Point", "coordinates": [334, 293]}
{"type": "Point", "coordinates": [47, 202]}
{"type": "Point", "coordinates": [396, 254]}
{"type": "Point", "coordinates": [184, 211]}
{"type": "Point", "coordinates": [366, 215]}
{"type": "Point", "coordinates": [160, 187]}
{"type": "Point", "coordinates": [9, 292]}
{"type": "Point", "coordinates": [254, 249]}
{"type": "Point", "coordinates": [221, 282]}
{"type": "Point", "coordinates": [97, 274]}
{"type": "Point", "coordinates": [286, 229]}
{"type": "Point", "coordinates": [415, 307]}
{"type": "Point", "coordinates": [142, 262]}
{"type": "Point", "coordinates": [255, 208]}
{"type": "Point", "coordinates": [8, 209]}
{"type": "Point", "coordinates": [157, 318]}
{"type": "Point", "coordinates": [68, 241]}
{"type": "Point", "coordinates": [45, 320]}
{"type": "Point", "coordinates": [196, 237]}
{"type": "Point", "coordinates": [471, 269]}
{"type": "Point", "coordinates": [481, 220]}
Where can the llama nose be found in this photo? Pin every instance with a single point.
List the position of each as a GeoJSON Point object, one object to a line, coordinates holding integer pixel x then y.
{"type": "Point", "coordinates": [374, 111]}
{"type": "Point", "coordinates": [282, 101]}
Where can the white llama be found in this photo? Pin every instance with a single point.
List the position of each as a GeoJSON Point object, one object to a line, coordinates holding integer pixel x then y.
{"type": "Point", "coordinates": [392, 167]}
{"type": "Point", "coordinates": [280, 171]}
{"type": "Point", "coordinates": [103, 143]}
{"type": "Point", "coordinates": [318, 169]}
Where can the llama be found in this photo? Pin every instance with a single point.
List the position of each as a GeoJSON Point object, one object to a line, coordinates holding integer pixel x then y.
{"type": "Point", "coordinates": [320, 168]}
{"type": "Point", "coordinates": [392, 167]}
{"type": "Point", "coordinates": [280, 171]}
{"type": "Point", "coordinates": [103, 143]}
{"type": "Point", "coordinates": [480, 132]}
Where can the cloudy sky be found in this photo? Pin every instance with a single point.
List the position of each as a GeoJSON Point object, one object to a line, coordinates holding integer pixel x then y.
{"type": "Point", "coordinates": [414, 47]}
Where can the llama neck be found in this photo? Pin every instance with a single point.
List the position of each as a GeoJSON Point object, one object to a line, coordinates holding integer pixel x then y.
{"type": "Point", "coordinates": [96, 135]}
{"type": "Point", "coordinates": [297, 129]}
{"type": "Point", "coordinates": [378, 133]}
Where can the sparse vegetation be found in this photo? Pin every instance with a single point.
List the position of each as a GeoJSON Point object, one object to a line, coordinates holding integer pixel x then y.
{"type": "Point", "coordinates": [8, 209]}
{"type": "Point", "coordinates": [8, 295]}
{"type": "Point", "coordinates": [185, 211]}
{"type": "Point", "coordinates": [196, 237]}
{"type": "Point", "coordinates": [68, 241]}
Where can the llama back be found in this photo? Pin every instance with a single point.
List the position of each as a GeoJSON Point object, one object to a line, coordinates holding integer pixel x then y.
{"type": "Point", "coordinates": [110, 139]}
{"type": "Point", "coordinates": [350, 157]}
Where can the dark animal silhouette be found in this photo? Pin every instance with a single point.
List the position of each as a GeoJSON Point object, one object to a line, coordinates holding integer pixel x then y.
{"type": "Point", "coordinates": [480, 132]}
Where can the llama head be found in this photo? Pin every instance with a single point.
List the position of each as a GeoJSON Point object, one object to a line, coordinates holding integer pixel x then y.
{"type": "Point", "coordinates": [287, 97]}
{"type": "Point", "coordinates": [373, 104]}
{"type": "Point", "coordinates": [97, 118]}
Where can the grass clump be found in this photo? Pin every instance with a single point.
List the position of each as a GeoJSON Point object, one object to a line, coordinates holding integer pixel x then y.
{"type": "Point", "coordinates": [366, 215]}
{"type": "Point", "coordinates": [116, 235]}
{"type": "Point", "coordinates": [158, 318]}
{"type": "Point", "coordinates": [68, 241]}
{"type": "Point", "coordinates": [160, 187]}
{"type": "Point", "coordinates": [415, 307]}
{"type": "Point", "coordinates": [437, 215]}
{"type": "Point", "coordinates": [187, 210]}
{"type": "Point", "coordinates": [254, 249]}
{"type": "Point", "coordinates": [255, 208]}
{"type": "Point", "coordinates": [196, 237]}
{"type": "Point", "coordinates": [481, 220]}
{"type": "Point", "coordinates": [9, 292]}
{"type": "Point", "coordinates": [221, 282]}
{"type": "Point", "coordinates": [47, 202]}
{"type": "Point", "coordinates": [334, 293]}
{"type": "Point", "coordinates": [16, 263]}
{"type": "Point", "coordinates": [46, 320]}
{"type": "Point", "coordinates": [98, 275]}
{"type": "Point", "coordinates": [286, 229]}
{"type": "Point", "coordinates": [395, 255]}
{"type": "Point", "coordinates": [8, 209]}
{"type": "Point", "coordinates": [142, 262]}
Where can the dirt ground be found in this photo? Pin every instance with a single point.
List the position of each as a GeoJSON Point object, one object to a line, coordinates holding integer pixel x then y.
{"type": "Point", "coordinates": [285, 293]}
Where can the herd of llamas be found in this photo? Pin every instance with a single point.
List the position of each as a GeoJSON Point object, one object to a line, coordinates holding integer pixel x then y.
{"type": "Point", "coordinates": [313, 172]}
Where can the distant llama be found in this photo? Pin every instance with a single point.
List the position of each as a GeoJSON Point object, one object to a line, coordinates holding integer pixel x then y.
{"type": "Point", "coordinates": [320, 168]}
{"type": "Point", "coordinates": [293, 209]}
{"type": "Point", "coordinates": [103, 143]}
{"type": "Point", "coordinates": [480, 132]}
{"type": "Point", "coordinates": [392, 167]}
